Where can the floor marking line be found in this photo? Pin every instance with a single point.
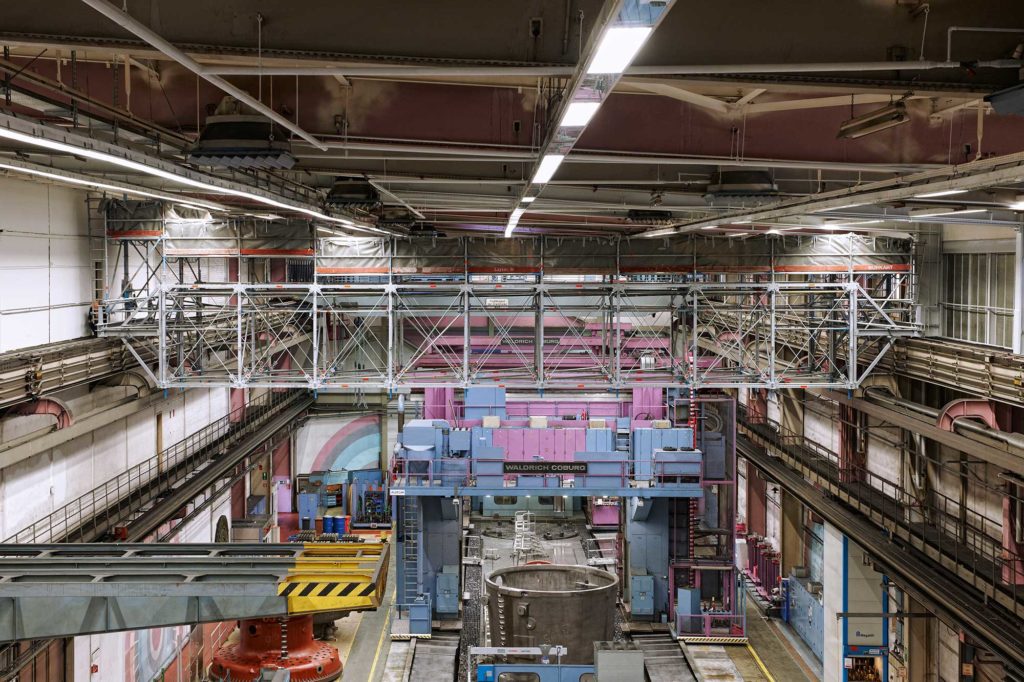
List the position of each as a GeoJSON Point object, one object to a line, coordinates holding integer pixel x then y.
{"type": "Point", "coordinates": [380, 642]}
{"type": "Point", "coordinates": [760, 664]}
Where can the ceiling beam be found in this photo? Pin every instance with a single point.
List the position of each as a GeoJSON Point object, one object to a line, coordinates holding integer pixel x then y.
{"type": "Point", "coordinates": [683, 95]}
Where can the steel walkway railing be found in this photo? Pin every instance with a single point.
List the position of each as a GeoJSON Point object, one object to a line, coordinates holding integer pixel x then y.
{"type": "Point", "coordinates": [963, 536]}
{"type": "Point", "coordinates": [969, 579]}
{"type": "Point", "coordinates": [117, 501]}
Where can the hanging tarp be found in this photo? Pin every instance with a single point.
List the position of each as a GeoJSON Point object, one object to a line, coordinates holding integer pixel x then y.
{"type": "Point", "coordinates": [234, 238]}
{"type": "Point", "coordinates": [797, 255]}
{"type": "Point", "coordinates": [352, 256]}
{"type": "Point", "coordinates": [580, 256]}
{"type": "Point", "coordinates": [134, 219]}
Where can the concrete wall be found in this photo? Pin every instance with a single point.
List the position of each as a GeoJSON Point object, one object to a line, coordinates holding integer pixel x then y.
{"type": "Point", "coordinates": [37, 486]}
{"type": "Point", "coordinates": [46, 278]}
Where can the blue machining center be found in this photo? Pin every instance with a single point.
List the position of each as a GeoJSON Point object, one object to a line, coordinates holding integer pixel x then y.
{"type": "Point", "coordinates": [675, 482]}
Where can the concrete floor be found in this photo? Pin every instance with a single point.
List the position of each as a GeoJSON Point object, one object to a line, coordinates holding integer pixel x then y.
{"type": "Point", "coordinates": [370, 646]}
{"type": "Point", "coordinates": [370, 655]}
{"type": "Point", "coordinates": [776, 652]}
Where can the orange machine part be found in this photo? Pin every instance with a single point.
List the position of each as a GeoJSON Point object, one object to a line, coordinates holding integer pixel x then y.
{"type": "Point", "coordinates": [259, 647]}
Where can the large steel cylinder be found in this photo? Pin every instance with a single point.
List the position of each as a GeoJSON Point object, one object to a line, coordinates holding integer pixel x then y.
{"type": "Point", "coordinates": [571, 606]}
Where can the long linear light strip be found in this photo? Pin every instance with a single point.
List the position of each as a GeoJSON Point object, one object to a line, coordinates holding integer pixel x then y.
{"type": "Point", "coordinates": [76, 179]}
{"type": "Point", "coordinates": [632, 23]}
{"type": "Point", "coordinates": [75, 150]}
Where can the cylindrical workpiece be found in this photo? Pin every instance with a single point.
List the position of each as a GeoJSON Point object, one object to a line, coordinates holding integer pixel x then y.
{"type": "Point", "coordinates": [571, 606]}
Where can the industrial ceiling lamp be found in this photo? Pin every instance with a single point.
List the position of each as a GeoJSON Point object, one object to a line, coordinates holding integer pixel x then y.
{"type": "Point", "coordinates": [875, 121]}
{"type": "Point", "coordinates": [618, 48]}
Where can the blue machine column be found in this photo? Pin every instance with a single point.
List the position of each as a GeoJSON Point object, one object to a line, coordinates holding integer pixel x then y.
{"type": "Point", "coordinates": [856, 597]}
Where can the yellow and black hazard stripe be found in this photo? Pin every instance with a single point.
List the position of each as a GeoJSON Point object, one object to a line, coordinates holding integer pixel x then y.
{"type": "Point", "coordinates": [713, 640]}
{"type": "Point", "coordinates": [325, 589]}
{"type": "Point", "coordinates": [306, 596]}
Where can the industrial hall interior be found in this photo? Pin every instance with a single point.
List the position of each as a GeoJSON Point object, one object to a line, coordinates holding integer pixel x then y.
{"type": "Point", "coordinates": [511, 341]}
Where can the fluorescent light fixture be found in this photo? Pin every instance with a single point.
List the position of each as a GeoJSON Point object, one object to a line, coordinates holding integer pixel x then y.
{"type": "Point", "coordinates": [513, 220]}
{"type": "Point", "coordinates": [617, 48]}
{"type": "Point", "coordinates": [546, 170]}
{"type": "Point", "coordinates": [171, 177]}
{"type": "Point", "coordinates": [935, 212]}
{"type": "Point", "coordinates": [846, 225]}
{"type": "Point", "coordinates": [710, 227]}
{"type": "Point", "coordinates": [874, 121]}
{"type": "Point", "coordinates": [528, 200]}
{"type": "Point", "coordinates": [840, 208]}
{"type": "Point", "coordinates": [942, 193]}
{"type": "Point", "coordinates": [59, 177]}
{"type": "Point", "coordinates": [578, 114]}
{"type": "Point", "coordinates": [1017, 206]}
{"type": "Point", "coordinates": [664, 232]}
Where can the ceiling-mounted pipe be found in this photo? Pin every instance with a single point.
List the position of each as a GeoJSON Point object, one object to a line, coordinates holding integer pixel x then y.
{"type": "Point", "coordinates": [600, 157]}
{"type": "Point", "coordinates": [400, 71]}
{"type": "Point", "coordinates": [140, 30]}
{"type": "Point", "coordinates": [884, 397]}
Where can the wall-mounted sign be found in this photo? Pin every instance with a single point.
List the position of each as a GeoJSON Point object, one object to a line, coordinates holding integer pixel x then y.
{"type": "Point", "coordinates": [496, 302]}
{"type": "Point", "coordinates": [544, 467]}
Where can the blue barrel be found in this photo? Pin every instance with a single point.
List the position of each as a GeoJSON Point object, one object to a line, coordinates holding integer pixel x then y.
{"type": "Point", "coordinates": [342, 525]}
{"type": "Point", "coordinates": [330, 524]}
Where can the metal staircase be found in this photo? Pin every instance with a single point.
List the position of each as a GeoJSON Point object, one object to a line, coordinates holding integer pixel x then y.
{"type": "Point", "coordinates": [412, 577]}
{"type": "Point", "coordinates": [622, 439]}
{"type": "Point", "coordinates": [97, 224]}
{"type": "Point", "coordinates": [526, 545]}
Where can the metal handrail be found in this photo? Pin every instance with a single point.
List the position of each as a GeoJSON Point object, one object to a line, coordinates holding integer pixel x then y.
{"type": "Point", "coordinates": [962, 535]}
{"type": "Point", "coordinates": [116, 499]}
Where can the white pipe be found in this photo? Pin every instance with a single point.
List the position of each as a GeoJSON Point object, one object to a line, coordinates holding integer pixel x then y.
{"type": "Point", "coordinates": [140, 30]}
{"type": "Point", "coordinates": [599, 157]}
{"type": "Point", "coordinates": [400, 71]}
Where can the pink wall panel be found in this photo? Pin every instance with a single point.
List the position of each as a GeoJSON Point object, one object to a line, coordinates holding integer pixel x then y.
{"type": "Point", "coordinates": [559, 445]}
{"type": "Point", "coordinates": [439, 403]}
{"type": "Point", "coordinates": [500, 440]}
{"type": "Point", "coordinates": [581, 441]}
{"type": "Point", "coordinates": [648, 403]}
{"type": "Point", "coordinates": [515, 445]}
{"type": "Point", "coordinates": [547, 443]}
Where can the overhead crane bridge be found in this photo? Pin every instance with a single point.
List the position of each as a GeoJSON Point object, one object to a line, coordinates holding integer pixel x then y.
{"type": "Point", "coordinates": [49, 591]}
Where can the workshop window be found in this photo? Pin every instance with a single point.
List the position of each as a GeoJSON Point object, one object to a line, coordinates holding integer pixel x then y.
{"type": "Point", "coordinates": [518, 677]}
{"type": "Point", "coordinates": [977, 302]}
{"type": "Point", "coordinates": [505, 499]}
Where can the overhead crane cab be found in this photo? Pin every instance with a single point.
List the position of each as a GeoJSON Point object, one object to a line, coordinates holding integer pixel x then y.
{"type": "Point", "coordinates": [668, 472]}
